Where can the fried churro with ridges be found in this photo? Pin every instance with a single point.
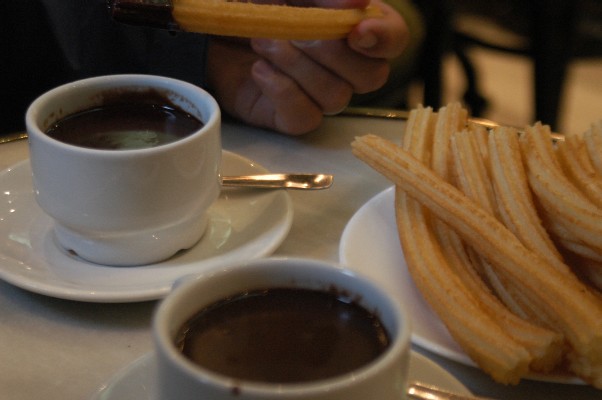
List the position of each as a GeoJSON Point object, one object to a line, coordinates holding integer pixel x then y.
{"type": "Point", "coordinates": [471, 177]}
{"type": "Point", "coordinates": [577, 166]}
{"type": "Point", "coordinates": [543, 346]}
{"type": "Point", "coordinates": [514, 198]}
{"type": "Point", "coordinates": [576, 312]}
{"type": "Point", "coordinates": [473, 328]}
{"type": "Point", "coordinates": [562, 201]}
{"type": "Point", "coordinates": [576, 155]}
{"type": "Point", "coordinates": [246, 19]}
{"type": "Point", "coordinates": [546, 346]}
{"type": "Point", "coordinates": [593, 142]}
{"type": "Point", "coordinates": [516, 209]}
{"type": "Point", "coordinates": [471, 168]}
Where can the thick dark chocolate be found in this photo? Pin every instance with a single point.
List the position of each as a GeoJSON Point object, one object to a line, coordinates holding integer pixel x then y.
{"type": "Point", "coordinates": [283, 335]}
{"type": "Point", "coordinates": [126, 120]}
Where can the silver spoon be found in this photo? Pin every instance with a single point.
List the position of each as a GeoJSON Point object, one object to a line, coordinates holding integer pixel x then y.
{"type": "Point", "coordinates": [265, 181]}
{"type": "Point", "coordinates": [422, 391]}
{"type": "Point", "coordinates": [13, 136]}
{"type": "Point", "coordinates": [280, 181]}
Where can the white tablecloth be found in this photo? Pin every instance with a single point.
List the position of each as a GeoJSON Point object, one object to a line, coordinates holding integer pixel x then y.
{"type": "Point", "coordinates": [55, 349]}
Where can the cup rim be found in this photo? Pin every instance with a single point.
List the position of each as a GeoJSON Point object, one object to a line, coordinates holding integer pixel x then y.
{"type": "Point", "coordinates": [116, 81]}
{"type": "Point", "coordinates": [164, 343]}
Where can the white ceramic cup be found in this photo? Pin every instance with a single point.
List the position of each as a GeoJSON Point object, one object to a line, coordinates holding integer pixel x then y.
{"type": "Point", "coordinates": [125, 207]}
{"type": "Point", "coordinates": [181, 379]}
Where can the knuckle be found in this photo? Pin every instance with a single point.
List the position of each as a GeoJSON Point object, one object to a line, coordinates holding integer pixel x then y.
{"type": "Point", "coordinates": [375, 79]}
{"type": "Point", "coordinates": [336, 99]}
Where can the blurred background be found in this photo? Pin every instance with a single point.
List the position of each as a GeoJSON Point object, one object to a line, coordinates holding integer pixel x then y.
{"type": "Point", "coordinates": [515, 62]}
{"type": "Point", "coordinates": [512, 61]}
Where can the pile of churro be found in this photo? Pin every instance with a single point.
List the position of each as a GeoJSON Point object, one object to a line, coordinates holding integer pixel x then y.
{"type": "Point", "coordinates": [502, 235]}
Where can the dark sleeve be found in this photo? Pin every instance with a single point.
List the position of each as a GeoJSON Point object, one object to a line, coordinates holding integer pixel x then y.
{"type": "Point", "coordinates": [50, 42]}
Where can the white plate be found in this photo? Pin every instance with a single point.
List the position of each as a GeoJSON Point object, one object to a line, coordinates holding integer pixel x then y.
{"type": "Point", "coordinates": [244, 224]}
{"type": "Point", "coordinates": [370, 245]}
{"type": "Point", "coordinates": [136, 381]}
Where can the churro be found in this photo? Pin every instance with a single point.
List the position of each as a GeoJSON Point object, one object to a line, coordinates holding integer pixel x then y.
{"type": "Point", "coordinates": [471, 172]}
{"type": "Point", "coordinates": [462, 149]}
{"type": "Point", "coordinates": [246, 19]}
{"type": "Point", "coordinates": [515, 201]}
{"type": "Point", "coordinates": [575, 220]}
{"type": "Point", "coordinates": [593, 142]}
{"type": "Point", "coordinates": [430, 265]}
{"type": "Point", "coordinates": [578, 167]}
{"type": "Point", "coordinates": [473, 178]}
{"type": "Point", "coordinates": [241, 18]}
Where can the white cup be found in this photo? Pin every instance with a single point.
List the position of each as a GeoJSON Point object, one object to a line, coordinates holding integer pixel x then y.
{"type": "Point", "coordinates": [179, 378]}
{"type": "Point", "coordinates": [125, 207]}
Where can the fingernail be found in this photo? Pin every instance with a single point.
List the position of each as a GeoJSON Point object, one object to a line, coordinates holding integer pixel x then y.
{"type": "Point", "coordinates": [263, 69]}
{"type": "Point", "coordinates": [264, 44]}
{"type": "Point", "coordinates": [300, 44]}
{"type": "Point", "coordinates": [367, 41]}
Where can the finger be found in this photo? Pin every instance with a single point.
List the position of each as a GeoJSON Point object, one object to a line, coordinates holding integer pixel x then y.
{"type": "Point", "coordinates": [329, 91]}
{"type": "Point", "coordinates": [282, 105]}
{"type": "Point", "coordinates": [384, 37]}
{"type": "Point", "coordinates": [364, 74]}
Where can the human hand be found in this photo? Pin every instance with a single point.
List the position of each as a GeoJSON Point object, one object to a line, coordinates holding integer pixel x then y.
{"type": "Point", "coordinates": [289, 86]}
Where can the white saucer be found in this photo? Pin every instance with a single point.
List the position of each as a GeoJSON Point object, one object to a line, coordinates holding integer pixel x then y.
{"type": "Point", "coordinates": [244, 224]}
{"type": "Point", "coordinates": [136, 381]}
{"type": "Point", "coordinates": [370, 245]}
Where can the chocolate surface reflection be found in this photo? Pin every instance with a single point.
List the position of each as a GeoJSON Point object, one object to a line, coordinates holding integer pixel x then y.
{"type": "Point", "coordinates": [126, 120]}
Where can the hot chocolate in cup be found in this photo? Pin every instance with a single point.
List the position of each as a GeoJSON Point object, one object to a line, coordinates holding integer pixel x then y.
{"type": "Point", "coordinates": [126, 165]}
{"type": "Point", "coordinates": [281, 328]}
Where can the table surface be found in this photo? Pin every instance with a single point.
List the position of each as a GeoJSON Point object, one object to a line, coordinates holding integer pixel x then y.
{"type": "Point", "coordinates": [57, 349]}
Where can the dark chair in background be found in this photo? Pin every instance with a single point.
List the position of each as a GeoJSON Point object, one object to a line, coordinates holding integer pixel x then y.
{"type": "Point", "coordinates": [547, 32]}
{"type": "Point", "coordinates": [437, 15]}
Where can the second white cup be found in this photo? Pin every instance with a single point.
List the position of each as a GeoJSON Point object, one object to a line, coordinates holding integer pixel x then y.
{"type": "Point", "coordinates": [180, 378]}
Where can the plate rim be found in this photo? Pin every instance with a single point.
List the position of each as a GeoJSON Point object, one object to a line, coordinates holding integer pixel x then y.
{"type": "Point", "coordinates": [438, 348]}
{"type": "Point", "coordinates": [417, 360]}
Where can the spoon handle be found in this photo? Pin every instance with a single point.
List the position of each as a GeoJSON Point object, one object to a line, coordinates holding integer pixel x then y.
{"type": "Point", "coordinates": [421, 391]}
{"type": "Point", "coordinates": [13, 136]}
{"type": "Point", "coordinates": [280, 181]}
